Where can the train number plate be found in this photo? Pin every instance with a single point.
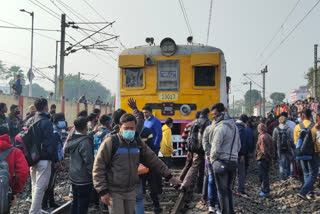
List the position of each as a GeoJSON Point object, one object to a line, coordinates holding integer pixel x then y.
{"type": "Point", "coordinates": [168, 97]}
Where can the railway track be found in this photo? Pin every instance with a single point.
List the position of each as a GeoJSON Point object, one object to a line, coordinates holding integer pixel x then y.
{"type": "Point", "coordinates": [171, 200]}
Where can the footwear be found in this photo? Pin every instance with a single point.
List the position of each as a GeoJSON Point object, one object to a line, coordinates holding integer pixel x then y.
{"type": "Point", "coordinates": [243, 194]}
{"type": "Point", "coordinates": [302, 196]}
{"type": "Point", "coordinates": [218, 211]}
{"type": "Point", "coordinates": [310, 197]}
{"type": "Point", "coordinates": [212, 209]}
{"type": "Point", "coordinates": [53, 204]}
{"type": "Point", "coordinates": [29, 200]}
{"type": "Point", "coordinates": [263, 194]}
{"type": "Point", "coordinates": [157, 210]}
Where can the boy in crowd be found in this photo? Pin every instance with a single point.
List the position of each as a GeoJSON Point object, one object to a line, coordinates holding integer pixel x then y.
{"type": "Point", "coordinates": [80, 148]}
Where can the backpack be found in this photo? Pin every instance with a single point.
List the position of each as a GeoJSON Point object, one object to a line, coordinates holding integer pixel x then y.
{"type": "Point", "coordinates": [4, 181]}
{"type": "Point", "coordinates": [98, 140]}
{"type": "Point", "coordinates": [283, 139]}
{"type": "Point", "coordinates": [194, 140]}
{"type": "Point", "coordinates": [305, 144]}
{"type": "Point", "coordinates": [29, 144]}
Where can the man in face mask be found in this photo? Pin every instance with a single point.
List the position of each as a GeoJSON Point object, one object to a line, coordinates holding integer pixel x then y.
{"type": "Point", "coordinates": [3, 118]}
{"type": "Point", "coordinates": [15, 123]}
{"type": "Point", "coordinates": [115, 170]}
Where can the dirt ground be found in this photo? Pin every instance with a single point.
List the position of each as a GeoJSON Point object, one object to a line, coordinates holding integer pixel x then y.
{"type": "Point", "coordinates": [283, 197]}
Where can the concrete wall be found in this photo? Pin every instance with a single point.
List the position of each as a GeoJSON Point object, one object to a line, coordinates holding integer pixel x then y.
{"type": "Point", "coordinates": [70, 109]}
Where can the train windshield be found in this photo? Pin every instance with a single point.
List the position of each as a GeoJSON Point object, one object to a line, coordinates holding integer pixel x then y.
{"type": "Point", "coordinates": [134, 77]}
{"type": "Point", "coordinates": [168, 75]}
{"type": "Point", "coordinates": [204, 76]}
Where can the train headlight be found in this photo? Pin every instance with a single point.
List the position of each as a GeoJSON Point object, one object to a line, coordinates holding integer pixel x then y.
{"type": "Point", "coordinates": [185, 109]}
{"type": "Point", "coordinates": [168, 47]}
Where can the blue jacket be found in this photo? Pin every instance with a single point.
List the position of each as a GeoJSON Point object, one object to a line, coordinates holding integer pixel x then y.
{"type": "Point", "coordinates": [155, 125]}
{"type": "Point", "coordinates": [243, 138]}
{"type": "Point", "coordinates": [251, 145]}
{"type": "Point", "coordinates": [47, 139]}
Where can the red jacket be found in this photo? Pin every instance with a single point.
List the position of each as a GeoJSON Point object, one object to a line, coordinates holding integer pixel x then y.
{"type": "Point", "coordinates": [18, 166]}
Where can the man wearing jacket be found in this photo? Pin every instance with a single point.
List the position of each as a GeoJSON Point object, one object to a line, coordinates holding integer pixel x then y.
{"type": "Point", "coordinates": [283, 137]}
{"type": "Point", "coordinates": [241, 125]}
{"type": "Point", "coordinates": [154, 124]}
{"type": "Point", "coordinates": [40, 173]}
{"type": "Point", "coordinates": [309, 164]}
{"type": "Point", "coordinates": [166, 146]}
{"type": "Point", "coordinates": [80, 148]}
{"type": "Point", "coordinates": [221, 142]}
{"type": "Point", "coordinates": [115, 170]}
{"type": "Point", "coordinates": [18, 166]}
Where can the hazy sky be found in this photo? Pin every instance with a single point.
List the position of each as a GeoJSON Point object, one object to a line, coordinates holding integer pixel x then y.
{"type": "Point", "coordinates": [241, 28]}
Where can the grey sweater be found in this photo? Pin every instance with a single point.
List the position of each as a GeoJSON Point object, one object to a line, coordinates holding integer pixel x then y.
{"type": "Point", "coordinates": [218, 138]}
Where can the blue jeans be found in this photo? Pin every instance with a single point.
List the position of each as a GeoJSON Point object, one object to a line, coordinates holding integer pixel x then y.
{"type": "Point", "coordinates": [285, 165]}
{"type": "Point", "coordinates": [212, 188]}
{"type": "Point", "coordinates": [139, 199]}
{"type": "Point", "coordinates": [168, 161]}
{"type": "Point", "coordinates": [241, 176]}
{"type": "Point", "coordinates": [263, 168]}
{"type": "Point", "coordinates": [310, 172]}
{"type": "Point", "coordinates": [81, 198]}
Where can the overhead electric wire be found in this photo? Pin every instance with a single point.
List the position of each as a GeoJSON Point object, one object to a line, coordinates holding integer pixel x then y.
{"type": "Point", "coordinates": [253, 81]}
{"type": "Point", "coordinates": [80, 17]}
{"type": "Point", "coordinates": [184, 12]}
{"type": "Point", "coordinates": [289, 34]}
{"type": "Point", "coordinates": [26, 28]}
{"type": "Point", "coordinates": [280, 28]}
{"type": "Point", "coordinates": [48, 37]}
{"type": "Point", "coordinates": [46, 9]}
{"type": "Point", "coordinates": [102, 17]}
{"type": "Point", "coordinates": [209, 22]}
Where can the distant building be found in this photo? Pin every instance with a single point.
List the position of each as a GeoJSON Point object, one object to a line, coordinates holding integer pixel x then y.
{"type": "Point", "coordinates": [299, 94]}
{"type": "Point", "coordinates": [257, 110]}
{"type": "Point", "coordinates": [5, 89]}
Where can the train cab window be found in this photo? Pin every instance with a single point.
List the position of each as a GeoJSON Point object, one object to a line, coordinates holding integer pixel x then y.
{"type": "Point", "coordinates": [204, 75]}
{"type": "Point", "coordinates": [168, 75]}
{"type": "Point", "coordinates": [133, 77]}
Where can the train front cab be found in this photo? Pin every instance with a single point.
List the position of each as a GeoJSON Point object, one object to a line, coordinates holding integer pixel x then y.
{"type": "Point", "coordinates": [175, 86]}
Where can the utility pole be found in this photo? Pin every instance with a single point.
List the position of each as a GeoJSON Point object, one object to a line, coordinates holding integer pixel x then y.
{"type": "Point", "coordinates": [315, 73]}
{"type": "Point", "coordinates": [250, 107]}
{"type": "Point", "coordinates": [62, 47]}
{"type": "Point", "coordinates": [30, 73]}
{"type": "Point", "coordinates": [56, 73]}
{"type": "Point", "coordinates": [79, 79]}
{"type": "Point", "coordinates": [233, 105]}
{"type": "Point", "coordinates": [264, 71]}
{"type": "Point", "coordinates": [260, 103]}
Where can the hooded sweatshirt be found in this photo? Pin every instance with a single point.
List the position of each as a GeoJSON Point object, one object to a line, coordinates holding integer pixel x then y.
{"type": "Point", "coordinates": [265, 145]}
{"type": "Point", "coordinates": [289, 134]}
{"type": "Point", "coordinates": [18, 166]}
{"type": "Point", "coordinates": [221, 140]}
{"type": "Point", "coordinates": [80, 148]}
{"type": "Point", "coordinates": [166, 146]}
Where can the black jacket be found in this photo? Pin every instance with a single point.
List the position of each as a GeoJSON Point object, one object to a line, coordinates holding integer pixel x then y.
{"type": "Point", "coordinates": [80, 148]}
{"type": "Point", "coordinates": [44, 133]}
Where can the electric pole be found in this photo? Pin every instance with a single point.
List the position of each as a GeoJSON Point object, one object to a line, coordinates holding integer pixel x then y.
{"type": "Point", "coordinates": [30, 73]}
{"type": "Point", "coordinates": [233, 105]}
{"type": "Point", "coordinates": [250, 96]}
{"type": "Point", "coordinates": [315, 73]}
{"type": "Point", "coordinates": [79, 79]}
{"type": "Point", "coordinates": [62, 47]}
{"type": "Point", "coordinates": [56, 73]}
{"type": "Point", "coordinates": [264, 71]}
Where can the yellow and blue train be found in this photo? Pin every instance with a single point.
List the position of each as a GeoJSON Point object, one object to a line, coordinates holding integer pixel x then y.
{"type": "Point", "coordinates": [176, 80]}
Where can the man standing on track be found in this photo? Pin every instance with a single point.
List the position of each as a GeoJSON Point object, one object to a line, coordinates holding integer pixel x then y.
{"type": "Point", "coordinates": [224, 146]}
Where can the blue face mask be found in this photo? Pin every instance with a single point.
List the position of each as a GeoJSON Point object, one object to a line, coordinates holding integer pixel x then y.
{"type": "Point", "coordinates": [128, 134]}
{"type": "Point", "coordinates": [61, 124]}
{"type": "Point", "coordinates": [299, 120]}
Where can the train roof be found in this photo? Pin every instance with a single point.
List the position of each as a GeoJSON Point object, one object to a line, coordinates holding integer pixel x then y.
{"type": "Point", "coordinates": [181, 50]}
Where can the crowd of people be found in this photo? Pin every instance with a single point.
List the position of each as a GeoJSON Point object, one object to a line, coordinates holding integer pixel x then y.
{"type": "Point", "coordinates": [114, 157]}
